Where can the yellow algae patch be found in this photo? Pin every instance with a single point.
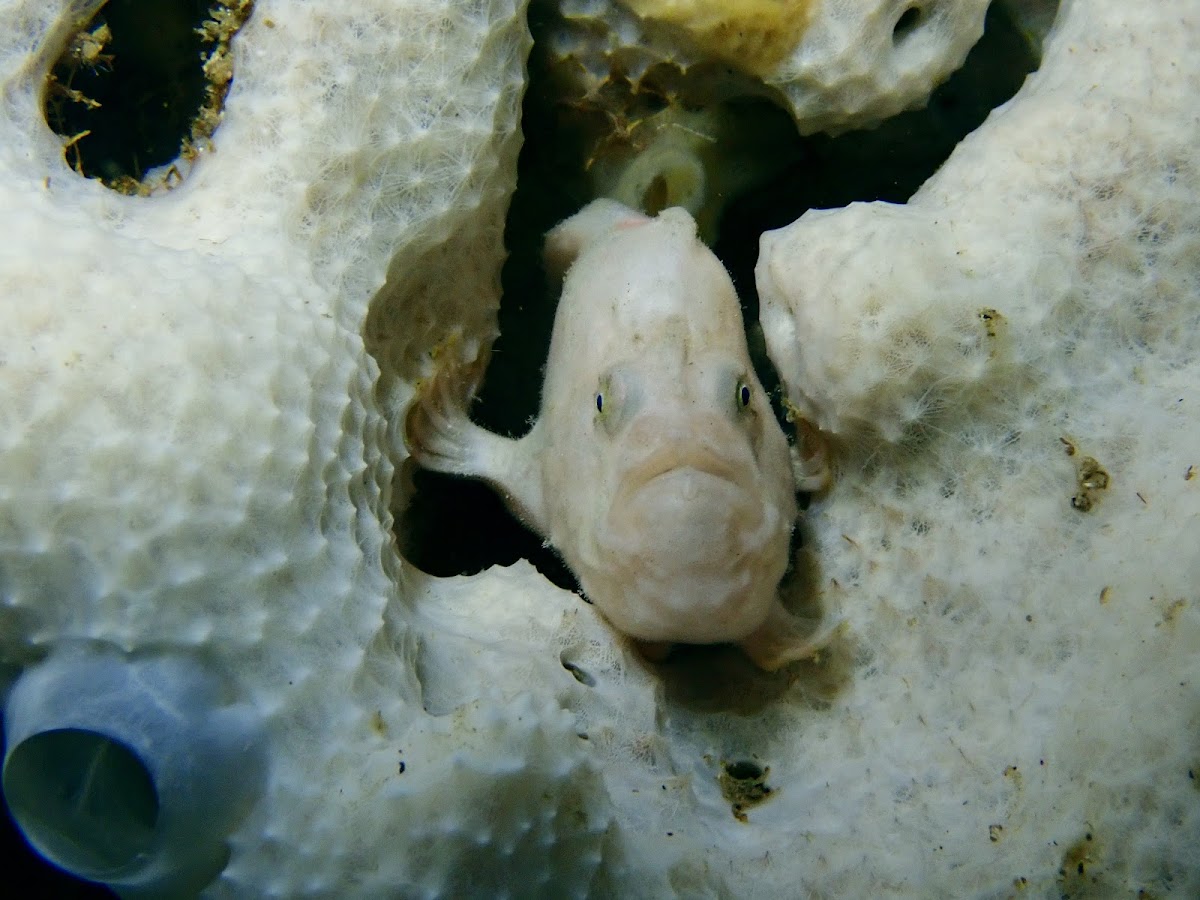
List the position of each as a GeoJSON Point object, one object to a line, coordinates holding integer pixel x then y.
{"type": "Point", "coordinates": [753, 35]}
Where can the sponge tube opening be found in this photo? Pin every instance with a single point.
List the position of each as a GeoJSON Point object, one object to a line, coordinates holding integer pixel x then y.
{"type": "Point", "coordinates": [83, 799]}
{"type": "Point", "coordinates": [130, 771]}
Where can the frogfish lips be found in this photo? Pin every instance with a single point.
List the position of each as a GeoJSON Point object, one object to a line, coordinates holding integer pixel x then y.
{"type": "Point", "coordinates": [691, 552]}
{"type": "Point", "coordinates": [687, 512]}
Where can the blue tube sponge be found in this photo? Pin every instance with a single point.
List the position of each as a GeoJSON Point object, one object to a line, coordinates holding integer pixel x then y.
{"type": "Point", "coordinates": [130, 771]}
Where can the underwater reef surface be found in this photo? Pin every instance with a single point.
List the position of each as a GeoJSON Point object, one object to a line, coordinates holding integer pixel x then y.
{"type": "Point", "coordinates": [226, 670]}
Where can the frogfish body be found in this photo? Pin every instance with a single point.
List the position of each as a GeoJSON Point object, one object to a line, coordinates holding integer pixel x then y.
{"type": "Point", "coordinates": [655, 468]}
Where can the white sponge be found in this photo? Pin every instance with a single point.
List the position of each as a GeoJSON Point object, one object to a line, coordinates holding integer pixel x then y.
{"type": "Point", "coordinates": [893, 346]}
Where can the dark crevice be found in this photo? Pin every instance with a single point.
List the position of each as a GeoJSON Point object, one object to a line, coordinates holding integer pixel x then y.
{"type": "Point", "coordinates": [453, 526]}
{"type": "Point", "coordinates": [459, 526]}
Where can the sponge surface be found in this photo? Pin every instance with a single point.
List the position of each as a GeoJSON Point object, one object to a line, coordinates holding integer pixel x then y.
{"type": "Point", "coordinates": [199, 394]}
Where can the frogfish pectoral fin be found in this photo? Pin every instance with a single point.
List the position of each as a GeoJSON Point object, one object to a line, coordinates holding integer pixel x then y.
{"type": "Point", "coordinates": [440, 435]}
{"type": "Point", "coordinates": [437, 430]}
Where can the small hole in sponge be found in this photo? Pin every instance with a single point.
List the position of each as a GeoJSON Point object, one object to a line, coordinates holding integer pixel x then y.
{"type": "Point", "coordinates": [579, 674]}
{"type": "Point", "coordinates": [907, 23]}
{"type": "Point", "coordinates": [744, 785]}
{"type": "Point", "coordinates": [744, 770]}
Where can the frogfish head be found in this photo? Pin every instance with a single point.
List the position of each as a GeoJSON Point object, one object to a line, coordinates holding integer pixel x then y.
{"type": "Point", "coordinates": [696, 502]}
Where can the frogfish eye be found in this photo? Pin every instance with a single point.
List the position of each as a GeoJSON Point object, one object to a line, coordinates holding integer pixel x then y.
{"type": "Point", "coordinates": [618, 396]}
{"type": "Point", "coordinates": [744, 395]}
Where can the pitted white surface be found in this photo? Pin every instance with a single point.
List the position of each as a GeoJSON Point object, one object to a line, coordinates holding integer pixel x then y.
{"type": "Point", "coordinates": [1040, 294]}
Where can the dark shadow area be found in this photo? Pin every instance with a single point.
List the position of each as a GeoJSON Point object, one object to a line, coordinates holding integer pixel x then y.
{"type": "Point", "coordinates": [452, 528]}
{"type": "Point", "coordinates": [719, 678]}
{"type": "Point", "coordinates": [458, 526]}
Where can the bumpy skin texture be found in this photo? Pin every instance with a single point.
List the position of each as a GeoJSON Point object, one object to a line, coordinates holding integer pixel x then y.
{"type": "Point", "coordinates": [656, 467]}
